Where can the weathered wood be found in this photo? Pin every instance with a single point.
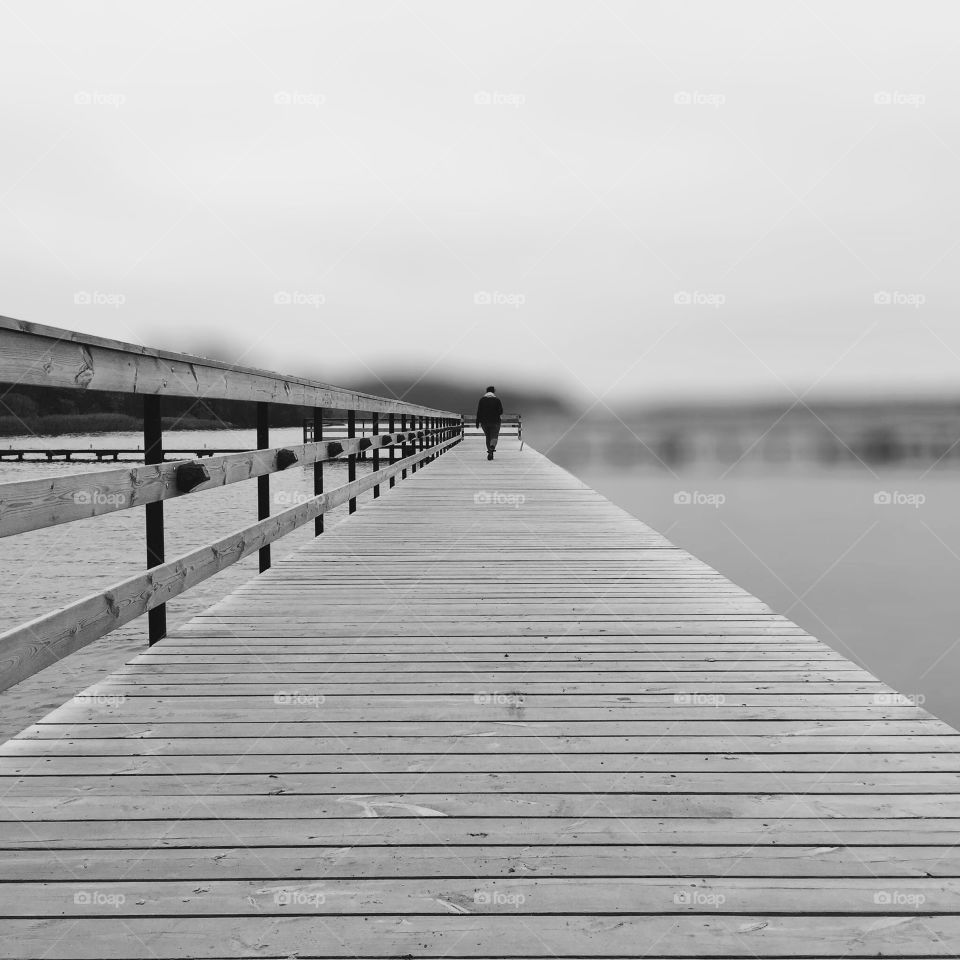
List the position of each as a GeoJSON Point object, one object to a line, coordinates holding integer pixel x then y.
{"type": "Point", "coordinates": [292, 895]}
{"type": "Point", "coordinates": [26, 649]}
{"type": "Point", "coordinates": [33, 504]}
{"type": "Point", "coordinates": [705, 934]}
{"type": "Point", "coordinates": [32, 353]}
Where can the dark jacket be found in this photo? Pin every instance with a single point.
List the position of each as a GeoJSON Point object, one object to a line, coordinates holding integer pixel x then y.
{"type": "Point", "coordinates": [489, 410]}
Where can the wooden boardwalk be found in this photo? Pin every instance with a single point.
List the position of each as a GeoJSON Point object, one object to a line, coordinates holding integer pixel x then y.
{"type": "Point", "coordinates": [491, 715]}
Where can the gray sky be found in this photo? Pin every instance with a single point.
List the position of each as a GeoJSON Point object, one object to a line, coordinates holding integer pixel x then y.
{"type": "Point", "coordinates": [523, 190]}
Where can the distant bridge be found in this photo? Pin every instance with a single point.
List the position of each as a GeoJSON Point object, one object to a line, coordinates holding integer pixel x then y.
{"type": "Point", "coordinates": [491, 715]}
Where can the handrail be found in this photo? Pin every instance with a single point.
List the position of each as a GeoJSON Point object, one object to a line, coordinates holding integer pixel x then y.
{"type": "Point", "coordinates": [36, 354]}
{"type": "Point", "coordinates": [35, 645]}
{"type": "Point", "coordinates": [48, 356]}
{"type": "Point", "coordinates": [34, 504]}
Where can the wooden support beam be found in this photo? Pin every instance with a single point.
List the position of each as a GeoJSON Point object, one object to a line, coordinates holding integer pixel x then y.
{"type": "Point", "coordinates": [318, 467]}
{"type": "Point", "coordinates": [263, 482]}
{"type": "Point", "coordinates": [153, 453]}
{"type": "Point", "coordinates": [352, 458]}
{"type": "Point", "coordinates": [375, 429]}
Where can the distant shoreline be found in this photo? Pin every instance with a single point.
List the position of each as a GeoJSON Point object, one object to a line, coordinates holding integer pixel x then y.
{"type": "Point", "coordinates": [55, 425]}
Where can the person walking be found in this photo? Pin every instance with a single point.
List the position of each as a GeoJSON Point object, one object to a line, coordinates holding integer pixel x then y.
{"type": "Point", "coordinates": [489, 412]}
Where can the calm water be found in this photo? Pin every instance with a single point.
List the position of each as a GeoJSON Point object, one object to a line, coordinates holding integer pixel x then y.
{"type": "Point", "coordinates": [875, 580]}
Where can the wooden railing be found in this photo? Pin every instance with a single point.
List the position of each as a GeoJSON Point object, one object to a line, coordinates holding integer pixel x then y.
{"type": "Point", "coordinates": [47, 356]}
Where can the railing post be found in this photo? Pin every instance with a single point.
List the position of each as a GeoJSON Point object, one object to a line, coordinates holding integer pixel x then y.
{"type": "Point", "coordinates": [374, 430]}
{"type": "Point", "coordinates": [263, 483]}
{"type": "Point", "coordinates": [317, 467]}
{"type": "Point", "coordinates": [393, 429]}
{"type": "Point", "coordinates": [153, 453]}
{"type": "Point", "coordinates": [416, 444]}
{"type": "Point", "coordinates": [403, 446]}
{"type": "Point", "coordinates": [352, 458]}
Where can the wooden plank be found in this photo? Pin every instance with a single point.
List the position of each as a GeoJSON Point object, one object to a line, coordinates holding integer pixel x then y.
{"type": "Point", "coordinates": [112, 807]}
{"type": "Point", "coordinates": [485, 896]}
{"type": "Point", "coordinates": [491, 748]}
{"type": "Point", "coordinates": [378, 784]}
{"type": "Point", "coordinates": [573, 935]}
{"type": "Point", "coordinates": [447, 846]}
{"type": "Point", "coordinates": [423, 768]}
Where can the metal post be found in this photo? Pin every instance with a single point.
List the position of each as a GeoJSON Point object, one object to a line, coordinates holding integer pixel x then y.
{"type": "Point", "coordinates": [393, 429]}
{"type": "Point", "coordinates": [415, 445]}
{"type": "Point", "coordinates": [263, 483]}
{"type": "Point", "coordinates": [153, 453]}
{"type": "Point", "coordinates": [374, 430]}
{"type": "Point", "coordinates": [317, 467]}
{"type": "Point", "coordinates": [352, 458]}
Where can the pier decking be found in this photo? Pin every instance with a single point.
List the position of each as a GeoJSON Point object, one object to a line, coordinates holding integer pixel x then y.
{"type": "Point", "coordinates": [492, 715]}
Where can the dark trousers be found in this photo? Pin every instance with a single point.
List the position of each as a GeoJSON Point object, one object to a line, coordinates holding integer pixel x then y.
{"type": "Point", "coordinates": [492, 432]}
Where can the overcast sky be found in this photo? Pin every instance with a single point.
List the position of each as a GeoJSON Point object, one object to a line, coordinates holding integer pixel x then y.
{"type": "Point", "coordinates": [628, 200]}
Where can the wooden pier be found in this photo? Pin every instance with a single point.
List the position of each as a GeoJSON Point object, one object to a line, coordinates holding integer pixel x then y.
{"type": "Point", "coordinates": [491, 715]}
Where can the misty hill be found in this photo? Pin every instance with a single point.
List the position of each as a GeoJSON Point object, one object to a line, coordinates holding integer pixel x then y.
{"type": "Point", "coordinates": [459, 397]}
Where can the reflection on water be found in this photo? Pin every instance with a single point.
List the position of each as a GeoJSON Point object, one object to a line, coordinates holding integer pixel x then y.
{"type": "Point", "coordinates": [915, 433]}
